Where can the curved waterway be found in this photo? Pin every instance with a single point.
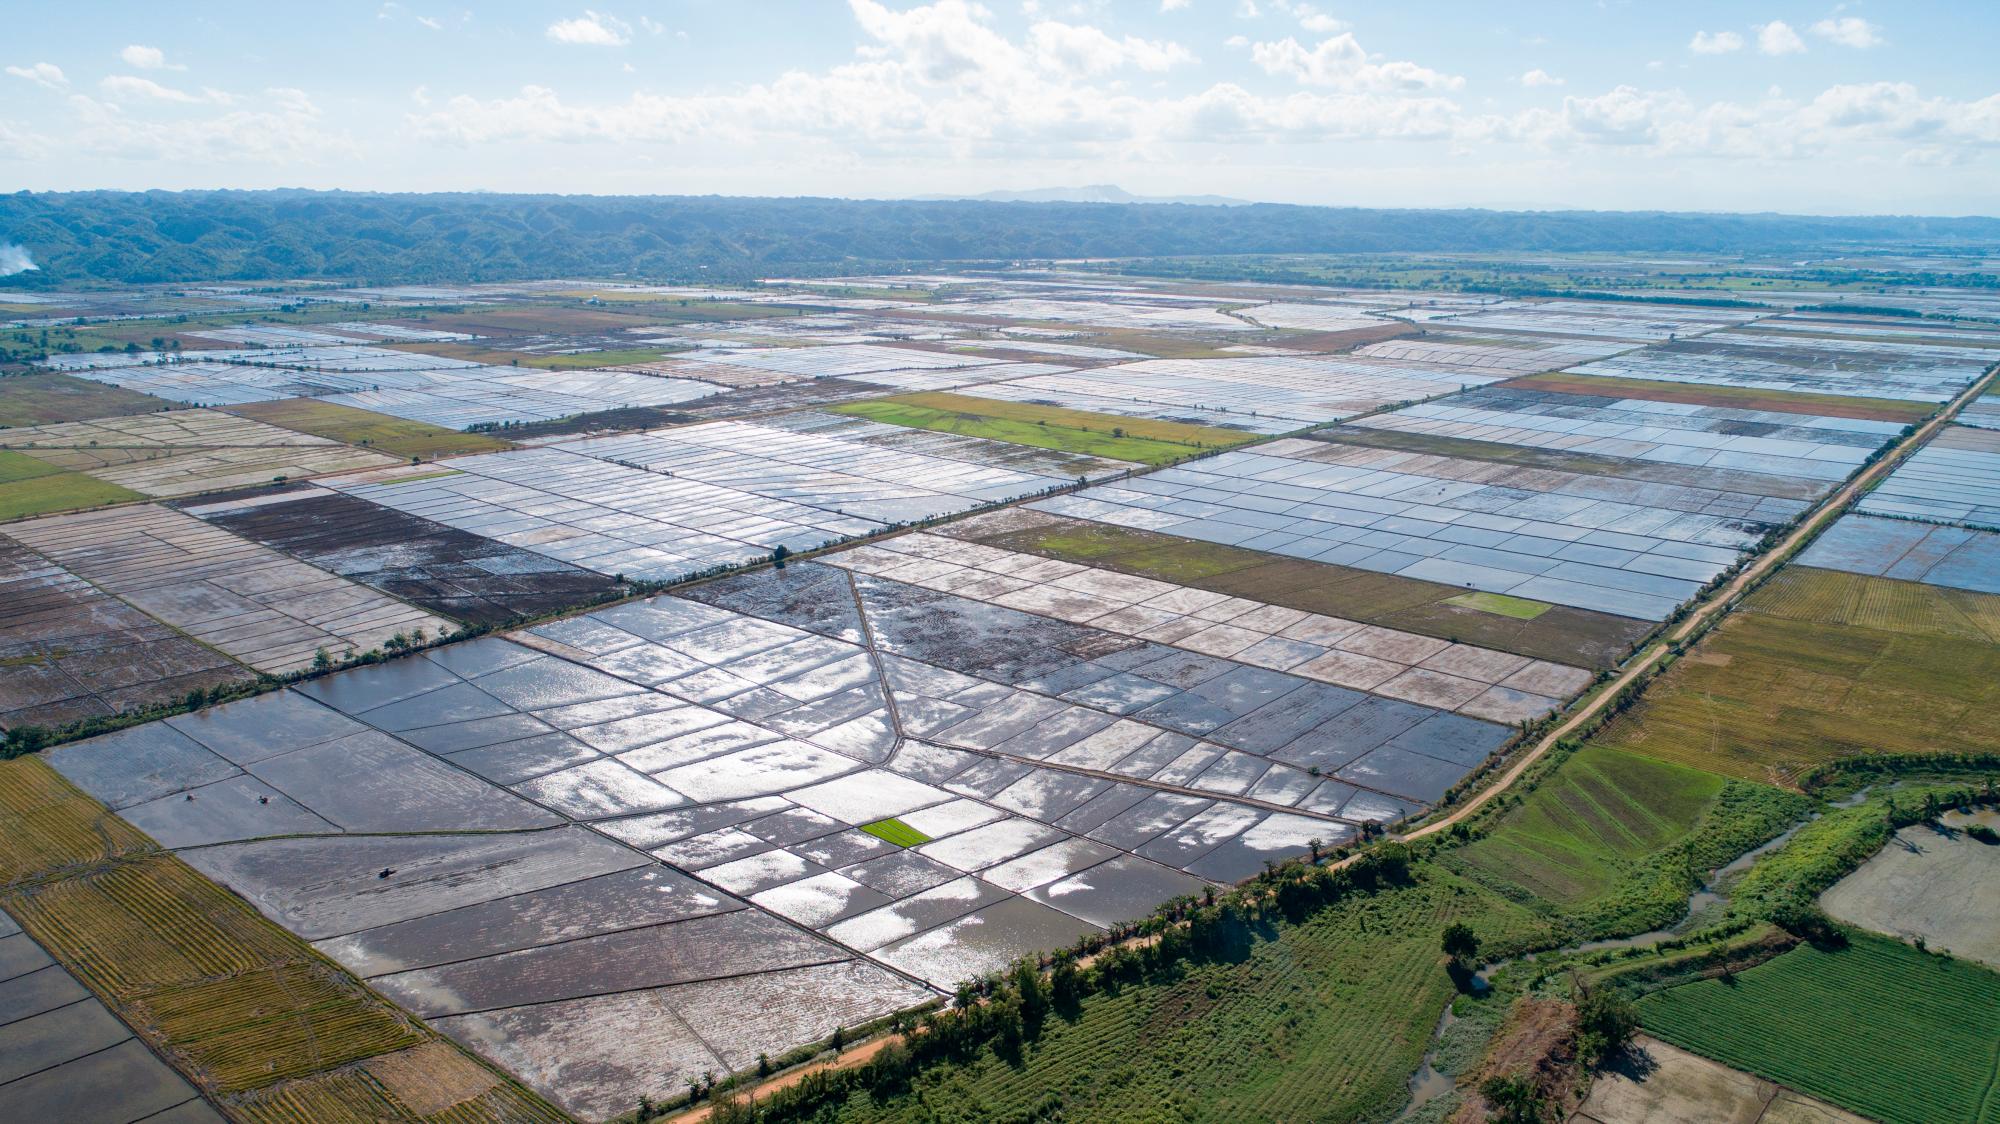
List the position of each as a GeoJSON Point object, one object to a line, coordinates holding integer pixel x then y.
{"type": "Point", "coordinates": [1710, 899]}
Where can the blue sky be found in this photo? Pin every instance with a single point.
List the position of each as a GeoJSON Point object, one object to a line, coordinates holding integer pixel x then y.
{"type": "Point", "coordinates": [1828, 108]}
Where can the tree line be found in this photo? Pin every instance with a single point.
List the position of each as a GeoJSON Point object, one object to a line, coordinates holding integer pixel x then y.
{"type": "Point", "coordinates": [159, 236]}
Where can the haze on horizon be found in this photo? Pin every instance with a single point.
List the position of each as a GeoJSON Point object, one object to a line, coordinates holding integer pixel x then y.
{"type": "Point", "coordinates": [1799, 108]}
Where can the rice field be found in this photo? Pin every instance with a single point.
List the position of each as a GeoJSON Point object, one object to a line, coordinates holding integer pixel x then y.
{"type": "Point", "coordinates": [1559, 633]}
{"type": "Point", "coordinates": [43, 399]}
{"type": "Point", "coordinates": [395, 436]}
{"type": "Point", "coordinates": [1877, 1027]}
{"type": "Point", "coordinates": [1790, 401]}
{"type": "Point", "coordinates": [621, 849]}
{"type": "Point", "coordinates": [1817, 665]}
{"type": "Point", "coordinates": [34, 487]}
{"type": "Point", "coordinates": [1046, 427]}
{"type": "Point", "coordinates": [233, 1001]}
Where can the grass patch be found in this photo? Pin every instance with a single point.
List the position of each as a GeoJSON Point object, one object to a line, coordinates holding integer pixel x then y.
{"type": "Point", "coordinates": [395, 436]}
{"type": "Point", "coordinates": [51, 489]}
{"type": "Point", "coordinates": [1143, 440]}
{"type": "Point", "coordinates": [20, 466]}
{"type": "Point", "coordinates": [1518, 608]}
{"type": "Point", "coordinates": [893, 830]}
{"type": "Point", "coordinates": [44, 399]}
{"type": "Point", "coordinates": [1576, 834]}
{"type": "Point", "coordinates": [1565, 635]}
{"type": "Point", "coordinates": [1818, 665]}
{"type": "Point", "coordinates": [1876, 1027]}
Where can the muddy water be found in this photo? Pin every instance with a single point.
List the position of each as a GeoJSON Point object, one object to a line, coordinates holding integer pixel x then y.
{"type": "Point", "coordinates": [1427, 1084]}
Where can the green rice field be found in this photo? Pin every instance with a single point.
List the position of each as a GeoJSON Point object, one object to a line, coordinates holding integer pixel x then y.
{"type": "Point", "coordinates": [1877, 1027]}
{"type": "Point", "coordinates": [1140, 440]}
{"type": "Point", "coordinates": [895, 831]}
{"type": "Point", "coordinates": [29, 486]}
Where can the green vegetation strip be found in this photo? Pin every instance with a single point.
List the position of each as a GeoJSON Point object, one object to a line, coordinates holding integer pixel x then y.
{"type": "Point", "coordinates": [895, 831]}
{"type": "Point", "coordinates": [1877, 1027]}
{"type": "Point", "coordinates": [1141, 440]}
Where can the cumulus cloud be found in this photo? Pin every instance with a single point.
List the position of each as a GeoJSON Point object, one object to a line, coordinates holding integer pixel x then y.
{"type": "Point", "coordinates": [944, 78]}
{"type": "Point", "coordinates": [941, 75]}
{"type": "Point", "coordinates": [46, 74]}
{"type": "Point", "coordinates": [1778, 38]}
{"type": "Point", "coordinates": [1715, 43]}
{"type": "Point", "coordinates": [591, 29]}
{"type": "Point", "coordinates": [1311, 18]}
{"type": "Point", "coordinates": [1089, 51]}
{"type": "Point", "coordinates": [1849, 31]}
{"type": "Point", "coordinates": [282, 128]}
{"type": "Point", "coordinates": [147, 58]}
{"type": "Point", "coordinates": [1340, 62]}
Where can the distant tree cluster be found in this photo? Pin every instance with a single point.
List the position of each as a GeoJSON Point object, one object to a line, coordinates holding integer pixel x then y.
{"type": "Point", "coordinates": [160, 236]}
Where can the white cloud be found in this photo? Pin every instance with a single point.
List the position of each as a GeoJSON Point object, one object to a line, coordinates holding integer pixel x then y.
{"type": "Point", "coordinates": [940, 78]}
{"type": "Point", "coordinates": [131, 86]}
{"type": "Point", "coordinates": [147, 58]}
{"type": "Point", "coordinates": [1341, 62]}
{"type": "Point", "coordinates": [941, 81]}
{"type": "Point", "coordinates": [1778, 38]}
{"type": "Point", "coordinates": [652, 26]}
{"type": "Point", "coordinates": [1247, 9]}
{"type": "Point", "coordinates": [1089, 51]}
{"type": "Point", "coordinates": [1849, 31]}
{"type": "Point", "coordinates": [42, 74]}
{"type": "Point", "coordinates": [591, 29]}
{"type": "Point", "coordinates": [1845, 119]}
{"type": "Point", "coordinates": [281, 129]}
{"type": "Point", "coordinates": [1174, 5]}
{"type": "Point", "coordinates": [292, 100]}
{"type": "Point", "coordinates": [433, 24]}
{"type": "Point", "coordinates": [1310, 17]}
{"type": "Point", "coordinates": [1716, 43]}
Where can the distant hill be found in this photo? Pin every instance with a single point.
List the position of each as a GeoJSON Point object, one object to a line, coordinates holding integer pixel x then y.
{"type": "Point", "coordinates": [1095, 193]}
{"type": "Point", "coordinates": [260, 235]}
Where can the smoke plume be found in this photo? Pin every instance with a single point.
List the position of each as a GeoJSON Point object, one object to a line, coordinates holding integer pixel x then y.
{"type": "Point", "coordinates": [15, 259]}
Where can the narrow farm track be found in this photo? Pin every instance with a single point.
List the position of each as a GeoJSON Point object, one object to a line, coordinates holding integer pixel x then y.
{"type": "Point", "coordinates": [1712, 607]}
